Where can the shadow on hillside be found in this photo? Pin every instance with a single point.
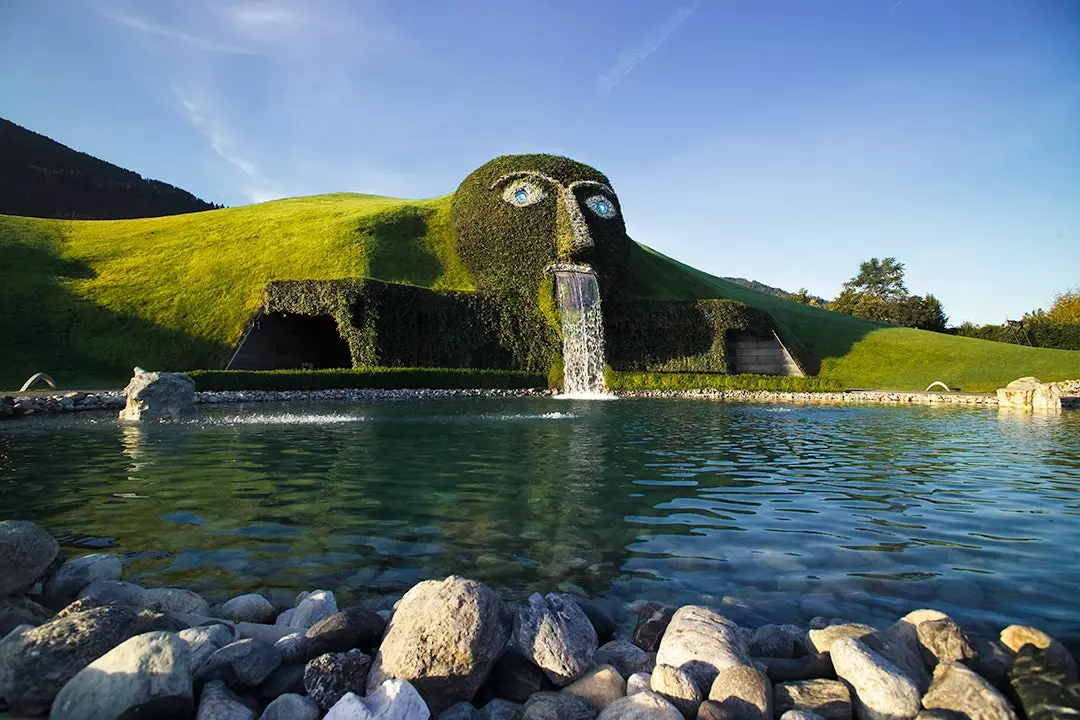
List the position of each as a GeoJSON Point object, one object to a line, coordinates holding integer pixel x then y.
{"type": "Point", "coordinates": [45, 327]}
{"type": "Point", "coordinates": [398, 251]}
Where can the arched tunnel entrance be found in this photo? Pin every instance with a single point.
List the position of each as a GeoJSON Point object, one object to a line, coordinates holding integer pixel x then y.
{"type": "Point", "coordinates": [285, 341]}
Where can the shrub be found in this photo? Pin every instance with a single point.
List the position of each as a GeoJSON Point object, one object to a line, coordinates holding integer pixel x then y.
{"type": "Point", "coordinates": [626, 381]}
{"type": "Point", "coordinates": [382, 378]}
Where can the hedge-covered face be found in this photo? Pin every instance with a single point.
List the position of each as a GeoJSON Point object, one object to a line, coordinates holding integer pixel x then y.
{"type": "Point", "coordinates": [519, 214]}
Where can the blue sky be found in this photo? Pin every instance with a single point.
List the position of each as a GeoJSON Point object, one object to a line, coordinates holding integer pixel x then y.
{"type": "Point", "coordinates": [780, 140]}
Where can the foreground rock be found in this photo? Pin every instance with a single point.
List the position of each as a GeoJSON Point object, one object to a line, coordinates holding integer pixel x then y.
{"type": "Point", "coordinates": [745, 690]}
{"type": "Point", "coordinates": [351, 628]}
{"type": "Point", "coordinates": [600, 686]}
{"type": "Point", "coordinates": [1041, 688]}
{"type": "Point", "coordinates": [444, 638]}
{"type": "Point", "coordinates": [558, 706]}
{"type": "Point", "coordinates": [641, 706]}
{"type": "Point", "coordinates": [217, 703]}
{"type": "Point", "coordinates": [943, 641]}
{"type": "Point", "coordinates": [158, 396]}
{"type": "Point", "coordinates": [291, 707]}
{"type": "Point", "coordinates": [26, 552]}
{"type": "Point", "coordinates": [36, 663]}
{"type": "Point", "coordinates": [678, 688]}
{"type": "Point", "coordinates": [960, 690]}
{"type": "Point", "coordinates": [392, 700]}
{"type": "Point", "coordinates": [329, 677]}
{"type": "Point", "coordinates": [882, 691]}
{"type": "Point", "coordinates": [242, 664]}
{"type": "Point", "coordinates": [830, 699]}
{"type": "Point", "coordinates": [314, 607]}
{"type": "Point", "coordinates": [702, 642]}
{"type": "Point", "coordinates": [625, 657]}
{"type": "Point", "coordinates": [652, 623]}
{"type": "Point", "coordinates": [514, 677]}
{"type": "Point", "coordinates": [1016, 637]}
{"type": "Point", "coordinates": [556, 635]}
{"type": "Point", "coordinates": [147, 675]}
{"type": "Point", "coordinates": [251, 607]}
{"type": "Point", "coordinates": [71, 577]}
{"type": "Point", "coordinates": [175, 600]}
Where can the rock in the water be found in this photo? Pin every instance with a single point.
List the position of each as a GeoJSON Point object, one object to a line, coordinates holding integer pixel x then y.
{"type": "Point", "coordinates": [1015, 637]}
{"type": "Point", "coordinates": [514, 677]}
{"type": "Point", "coordinates": [502, 710]}
{"type": "Point", "coordinates": [243, 664]}
{"type": "Point", "coordinates": [652, 623]}
{"type": "Point", "coordinates": [26, 552]}
{"type": "Point", "coordinates": [745, 688]}
{"type": "Point", "coordinates": [881, 690]}
{"type": "Point", "coordinates": [158, 396]}
{"type": "Point", "coordinates": [173, 600]}
{"type": "Point", "coordinates": [601, 686]}
{"type": "Point", "coordinates": [556, 635]}
{"type": "Point", "coordinates": [352, 628]}
{"type": "Point", "coordinates": [769, 641]}
{"type": "Point", "coordinates": [36, 663]}
{"type": "Point", "coordinates": [677, 688]}
{"type": "Point", "coordinates": [899, 644]}
{"type": "Point", "coordinates": [944, 641]}
{"type": "Point", "coordinates": [74, 575]}
{"type": "Point", "coordinates": [395, 699]}
{"type": "Point", "coordinates": [830, 699]}
{"type": "Point", "coordinates": [1041, 687]}
{"type": "Point", "coordinates": [317, 606]}
{"type": "Point", "coordinates": [205, 640]}
{"type": "Point", "coordinates": [822, 639]}
{"type": "Point", "coordinates": [992, 659]}
{"type": "Point", "coordinates": [218, 703]}
{"type": "Point", "coordinates": [291, 706]}
{"type": "Point", "coordinates": [625, 657]}
{"type": "Point", "coordinates": [602, 622]}
{"type": "Point", "coordinates": [328, 677]}
{"type": "Point", "coordinates": [640, 706]}
{"type": "Point", "coordinates": [1027, 393]}
{"type": "Point", "coordinates": [461, 711]}
{"type": "Point", "coordinates": [702, 642]}
{"type": "Point", "coordinates": [118, 592]}
{"type": "Point", "coordinates": [286, 679]}
{"type": "Point", "coordinates": [958, 689]}
{"type": "Point", "coordinates": [251, 607]}
{"type": "Point", "coordinates": [807, 667]}
{"type": "Point", "coordinates": [444, 638]}
{"type": "Point", "coordinates": [800, 715]}
{"type": "Point", "coordinates": [558, 706]}
{"type": "Point", "coordinates": [639, 682]}
{"type": "Point", "coordinates": [148, 674]}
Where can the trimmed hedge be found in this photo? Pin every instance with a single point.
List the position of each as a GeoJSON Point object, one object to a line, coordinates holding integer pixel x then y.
{"type": "Point", "coordinates": [1039, 334]}
{"type": "Point", "coordinates": [381, 378]}
{"type": "Point", "coordinates": [625, 381]}
{"type": "Point", "coordinates": [677, 336]}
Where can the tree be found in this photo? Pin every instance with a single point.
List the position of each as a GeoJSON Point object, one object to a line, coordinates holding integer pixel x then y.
{"type": "Point", "coordinates": [1066, 308]}
{"type": "Point", "coordinates": [802, 295]}
{"type": "Point", "coordinates": [884, 279]}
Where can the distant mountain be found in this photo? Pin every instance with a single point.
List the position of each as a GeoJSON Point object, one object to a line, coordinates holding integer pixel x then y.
{"type": "Point", "coordinates": [39, 177]}
{"type": "Point", "coordinates": [770, 290]}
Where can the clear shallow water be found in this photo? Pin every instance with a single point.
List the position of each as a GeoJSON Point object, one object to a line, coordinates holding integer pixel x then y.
{"type": "Point", "coordinates": [775, 513]}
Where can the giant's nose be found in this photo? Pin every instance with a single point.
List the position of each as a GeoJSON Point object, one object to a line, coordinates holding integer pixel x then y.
{"type": "Point", "coordinates": [572, 235]}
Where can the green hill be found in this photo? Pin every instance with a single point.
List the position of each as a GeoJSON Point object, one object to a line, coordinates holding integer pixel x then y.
{"type": "Point", "coordinates": [87, 300]}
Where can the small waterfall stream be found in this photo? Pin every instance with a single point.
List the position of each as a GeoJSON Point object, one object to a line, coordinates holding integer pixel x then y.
{"type": "Point", "coordinates": [583, 333]}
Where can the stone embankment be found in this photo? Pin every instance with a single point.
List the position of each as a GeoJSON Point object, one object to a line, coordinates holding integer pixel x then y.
{"type": "Point", "coordinates": [453, 649]}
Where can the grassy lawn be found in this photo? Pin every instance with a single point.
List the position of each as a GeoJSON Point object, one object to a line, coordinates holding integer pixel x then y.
{"type": "Point", "coordinates": [87, 300]}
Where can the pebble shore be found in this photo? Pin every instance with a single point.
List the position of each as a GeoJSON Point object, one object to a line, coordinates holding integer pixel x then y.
{"type": "Point", "coordinates": [79, 642]}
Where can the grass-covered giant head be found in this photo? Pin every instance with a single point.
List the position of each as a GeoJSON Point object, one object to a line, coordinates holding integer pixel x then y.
{"type": "Point", "coordinates": [518, 214]}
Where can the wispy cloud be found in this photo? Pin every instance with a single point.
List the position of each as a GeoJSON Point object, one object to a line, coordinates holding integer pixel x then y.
{"type": "Point", "coordinates": [630, 59]}
{"type": "Point", "coordinates": [194, 42]}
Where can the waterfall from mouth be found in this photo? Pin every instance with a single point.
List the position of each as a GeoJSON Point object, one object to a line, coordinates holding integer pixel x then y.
{"type": "Point", "coordinates": [583, 333]}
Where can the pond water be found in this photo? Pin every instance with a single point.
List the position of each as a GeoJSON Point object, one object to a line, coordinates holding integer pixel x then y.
{"type": "Point", "coordinates": [775, 513]}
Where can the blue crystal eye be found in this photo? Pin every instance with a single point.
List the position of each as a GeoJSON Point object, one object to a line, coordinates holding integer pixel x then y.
{"type": "Point", "coordinates": [523, 194]}
{"type": "Point", "coordinates": [601, 206]}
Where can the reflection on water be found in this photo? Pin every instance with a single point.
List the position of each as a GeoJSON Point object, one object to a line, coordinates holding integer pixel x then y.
{"type": "Point", "coordinates": [774, 512]}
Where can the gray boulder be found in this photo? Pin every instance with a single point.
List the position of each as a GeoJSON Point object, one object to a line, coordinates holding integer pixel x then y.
{"type": "Point", "coordinates": [217, 702]}
{"type": "Point", "coordinates": [74, 575]}
{"type": "Point", "coordinates": [158, 396]}
{"type": "Point", "coordinates": [702, 642]}
{"type": "Point", "coordinates": [502, 710]}
{"type": "Point", "coordinates": [770, 641]}
{"type": "Point", "coordinates": [807, 667]}
{"type": "Point", "coordinates": [830, 699]}
{"type": "Point", "coordinates": [284, 680]}
{"type": "Point", "coordinates": [556, 635]}
{"type": "Point", "coordinates": [394, 699]}
{"type": "Point", "coordinates": [251, 607]}
{"type": "Point", "coordinates": [958, 689]}
{"type": "Point", "coordinates": [352, 628]}
{"type": "Point", "coordinates": [558, 706]}
{"type": "Point", "coordinates": [678, 688]}
{"type": "Point", "coordinates": [18, 610]}
{"type": "Point", "coordinates": [652, 623]}
{"type": "Point", "coordinates": [295, 648]}
{"type": "Point", "coordinates": [177, 600]}
{"type": "Point", "coordinates": [640, 706]}
{"type": "Point", "coordinates": [291, 706]}
{"type": "Point", "coordinates": [111, 591]}
{"type": "Point", "coordinates": [461, 711]}
{"type": "Point", "coordinates": [743, 688]}
{"type": "Point", "coordinates": [1015, 637]}
{"type": "Point", "coordinates": [513, 677]}
{"type": "Point", "coordinates": [205, 640]}
{"type": "Point", "coordinates": [942, 641]}
{"type": "Point", "coordinates": [26, 552]}
{"type": "Point", "coordinates": [882, 691]}
{"type": "Point", "coordinates": [639, 682]}
{"type": "Point", "coordinates": [148, 674]}
{"type": "Point", "coordinates": [242, 664]}
{"type": "Point", "coordinates": [600, 686]}
{"type": "Point", "coordinates": [822, 639]}
{"type": "Point", "coordinates": [800, 715]}
{"type": "Point", "coordinates": [899, 644]}
{"type": "Point", "coordinates": [1041, 687]}
{"type": "Point", "coordinates": [443, 638]}
{"type": "Point", "coordinates": [625, 657]}
{"type": "Point", "coordinates": [328, 677]}
{"type": "Point", "coordinates": [312, 608]}
{"type": "Point", "coordinates": [36, 663]}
